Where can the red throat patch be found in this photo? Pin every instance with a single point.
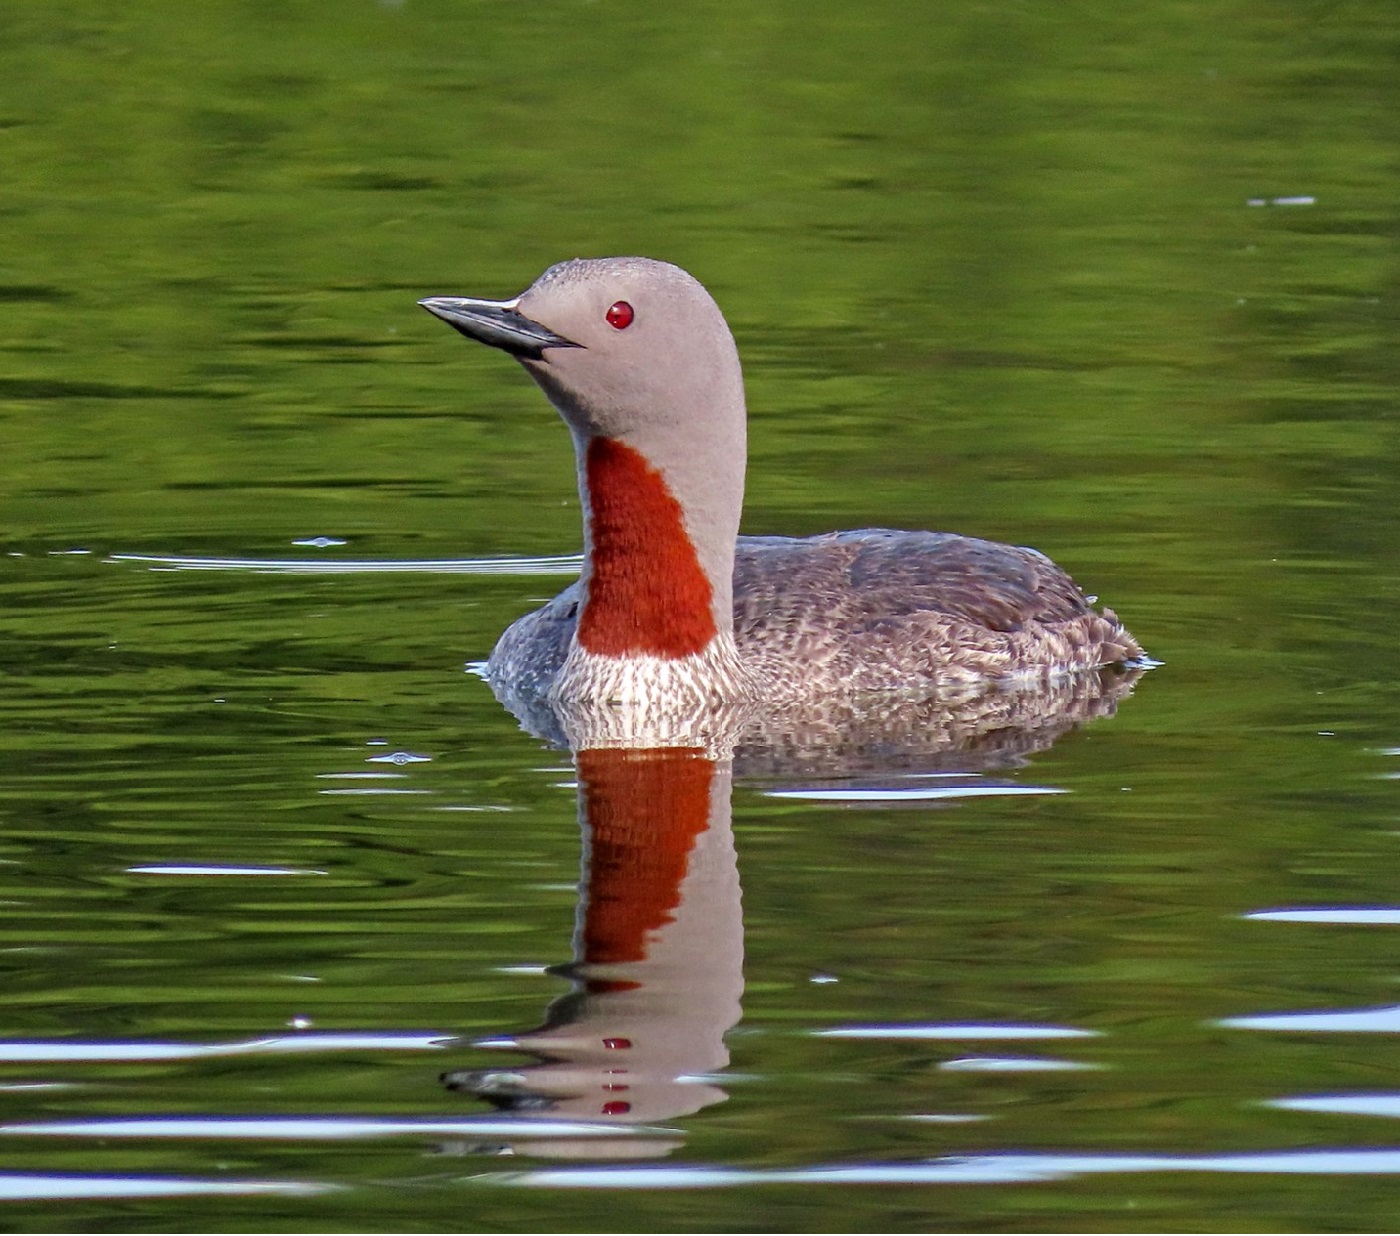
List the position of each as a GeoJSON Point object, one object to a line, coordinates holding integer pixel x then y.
{"type": "Point", "coordinates": [647, 594]}
{"type": "Point", "coordinates": [645, 810]}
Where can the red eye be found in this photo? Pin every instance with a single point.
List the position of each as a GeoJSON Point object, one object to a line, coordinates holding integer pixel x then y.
{"type": "Point", "coordinates": [620, 315]}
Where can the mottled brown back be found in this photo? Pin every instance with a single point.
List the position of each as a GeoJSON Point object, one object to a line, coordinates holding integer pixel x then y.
{"type": "Point", "coordinates": [878, 610]}
{"type": "Point", "coordinates": [875, 610]}
{"type": "Point", "coordinates": [875, 576]}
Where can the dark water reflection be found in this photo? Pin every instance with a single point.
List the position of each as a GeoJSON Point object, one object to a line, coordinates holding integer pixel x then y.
{"type": "Point", "coordinates": [658, 948]}
{"type": "Point", "coordinates": [272, 866]}
{"type": "Point", "coordinates": [274, 899]}
{"type": "Point", "coordinates": [658, 955]}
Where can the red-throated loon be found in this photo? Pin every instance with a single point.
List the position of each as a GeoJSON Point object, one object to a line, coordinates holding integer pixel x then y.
{"type": "Point", "coordinates": [673, 603]}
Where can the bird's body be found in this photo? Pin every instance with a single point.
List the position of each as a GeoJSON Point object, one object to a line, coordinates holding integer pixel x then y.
{"type": "Point", "coordinates": [868, 611]}
{"type": "Point", "coordinates": [672, 603]}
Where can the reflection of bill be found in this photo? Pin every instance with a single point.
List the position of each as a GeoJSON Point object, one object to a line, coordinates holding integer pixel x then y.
{"type": "Point", "coordinates": [658, 950]}
{"type": "Point", "coordinates": [658, 969]}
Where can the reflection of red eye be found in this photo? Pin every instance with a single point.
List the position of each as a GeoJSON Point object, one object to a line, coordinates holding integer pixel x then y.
{"type": "Point", "coordinates": [620, 315]}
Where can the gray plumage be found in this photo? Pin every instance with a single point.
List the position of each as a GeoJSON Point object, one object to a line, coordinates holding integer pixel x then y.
{"type": "Point", "coordinates": [845, 614]}
{"type": "Point", "coordinates": [873, 610]}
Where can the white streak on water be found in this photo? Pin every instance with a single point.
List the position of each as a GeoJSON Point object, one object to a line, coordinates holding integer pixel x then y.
{"type": "Point", "coordinates": [957, 1030]}
{"type": "Point", "coordinates": [361, 776]}
{"type": "Point", "coordinates": [322, 1128]}
{"type": "Point", "coordinates": [68, 1051]}
{"type": "Point", "coordinates": [1368, 915]}
{"type": "Point", "coordinates": [969, 1169]}
{"type": "Point", "coordinates": [1376, 1104]}
{"type": "Point", "coordinates": [563, 564]}
{"type": "Point", "coordinates": [905, 794]}
{"type": "Point", "coordinates": [190, 869]}
{"type": "Point", "coordinates": [17, 1188]}
{"type": "Point", "coordinates": [1345, 1021]}
{"type": "Point", "coordinates": [1014, 1064]}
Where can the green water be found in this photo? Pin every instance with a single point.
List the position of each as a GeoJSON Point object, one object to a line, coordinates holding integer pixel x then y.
{"type": "Point", "coordinates": [1121, 284]}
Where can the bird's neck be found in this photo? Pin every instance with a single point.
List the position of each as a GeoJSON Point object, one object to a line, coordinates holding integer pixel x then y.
{"type": "Point", "coordinates": [651, 587]}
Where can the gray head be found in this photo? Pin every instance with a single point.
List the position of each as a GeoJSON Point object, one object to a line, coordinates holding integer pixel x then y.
{"type": "Point", "coordinates": [616, 343]}
{"type": "Point", "coordinates": [634, 350]}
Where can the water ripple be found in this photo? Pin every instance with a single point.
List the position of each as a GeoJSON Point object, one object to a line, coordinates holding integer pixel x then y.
{"type": "Point", "coordinates": [907, 794]}
{"type": "Point", "coordinates": [189, 869]}
{"type": "Point", "coordinates": [1343, 1021]}
{"type": "Point", "coordinates": [16, 1051]}
{"type": "Point", "coordinates": [323, 1128]}
{"type": "Point", "coordinates": [1376, 1104]}
{"type": "Point", "coordinates": [957, 1030]}
{"type": "Point", "coordinates": [26, 1188]}
{"type": "Point", "coordinates": [561, 564]}
{"type": "Point", "coordinates": [1014, 1064]}
{"type": "Point", "coordinates": [969, 1169]}
{"type": "Point", "coordinates": [1329, 914]}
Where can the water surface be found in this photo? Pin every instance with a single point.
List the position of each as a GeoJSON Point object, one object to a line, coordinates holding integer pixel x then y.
{"type": "Point", "coordinates": [293, 915]}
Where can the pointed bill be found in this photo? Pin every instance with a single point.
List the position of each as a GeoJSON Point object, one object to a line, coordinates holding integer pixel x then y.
{"type": "Point", "coordinates": [497, 323]}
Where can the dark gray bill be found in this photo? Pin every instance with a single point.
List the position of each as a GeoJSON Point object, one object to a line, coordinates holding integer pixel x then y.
{"type": "Point", "coordinates": [497, 323]}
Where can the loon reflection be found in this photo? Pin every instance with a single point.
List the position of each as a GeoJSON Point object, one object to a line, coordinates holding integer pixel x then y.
{"type": "Point", "coordinates": [658, 947]}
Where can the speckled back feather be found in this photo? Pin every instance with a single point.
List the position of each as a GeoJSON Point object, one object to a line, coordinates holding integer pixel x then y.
{"type": "Point", "coordinates": [874, 610]}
